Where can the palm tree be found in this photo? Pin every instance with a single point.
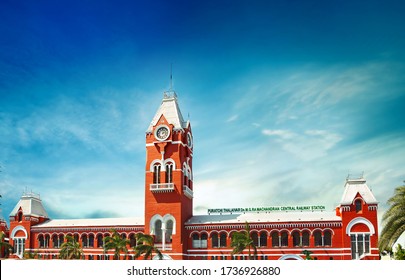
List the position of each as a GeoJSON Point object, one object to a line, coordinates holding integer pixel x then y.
{"type": "Point", "coordinates": [4, 245]}
{"type": "Point", "coordinates": [117, 243]}
{"type": "Point", "coordinates": [393, 220]}
{"type": "Point", "coordinates": [307, 255]}
{"type": "Point", "coordinates": [70, 249]}
{"type": "Point", "coordinates": [145, 245]}
{"type": "Point", "coordinates": [241, 241]}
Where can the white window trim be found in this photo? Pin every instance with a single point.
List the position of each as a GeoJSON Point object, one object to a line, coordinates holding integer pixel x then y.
{"type": "Point", "coordinates": [360, 220]}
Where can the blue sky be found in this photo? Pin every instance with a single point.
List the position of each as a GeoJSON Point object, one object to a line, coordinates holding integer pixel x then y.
{"type": "Point", "coordinates": [285, 99]}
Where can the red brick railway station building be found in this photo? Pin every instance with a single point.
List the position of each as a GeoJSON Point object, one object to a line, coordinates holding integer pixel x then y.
{"type": "Point", "coordinates": [348, 232]}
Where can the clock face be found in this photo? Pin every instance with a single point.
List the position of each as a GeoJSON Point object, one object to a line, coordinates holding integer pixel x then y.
{"type": "Point", "coordinates": [189, 140]}
{"type": "Point", "coordinates": [162, 133]}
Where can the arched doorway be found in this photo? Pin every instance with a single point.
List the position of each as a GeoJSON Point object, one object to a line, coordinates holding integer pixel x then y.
{"type": "Point", "coordinates": [290, 257]}
{"type": "Point", "coordinates": [19, 235]}
{"type": "Point", "coordinates": [165, 257]}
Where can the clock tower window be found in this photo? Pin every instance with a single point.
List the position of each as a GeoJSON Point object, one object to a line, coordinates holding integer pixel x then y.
{"type": "Point", "coordinates": [169, 173]}
{"type": "Point", "coordinates": [156, 173]}
{"type": "Point", "coordinates": [158, 231]}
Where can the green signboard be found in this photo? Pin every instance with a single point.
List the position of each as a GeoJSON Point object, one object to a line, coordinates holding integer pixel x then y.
{"type": "Point", "coordinates": [268, 209]}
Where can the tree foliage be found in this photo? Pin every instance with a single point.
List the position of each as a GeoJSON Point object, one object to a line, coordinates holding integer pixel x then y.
{"type": "Point", "coordinates": [70, 249]}
{"type": "Point", "coordinates": [393, 220]}
{"type": "Point", "coordinates": [28, 254]}
{"type": "Point", "coordinates": [399, 253]}
{"type": "Point", "coordinates": [4, 245]}
{"type": "Point", "coordinates": [307, 255]}
{"type": "Point", "coordinates": [242, 240]}
{"type": "Point", "coordinates": [145, 245]}
{"type": "Point", "coordinates": [116, 243]}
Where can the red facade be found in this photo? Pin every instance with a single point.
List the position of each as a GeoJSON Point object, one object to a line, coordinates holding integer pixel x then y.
{"type": "Point", "coordinates": [349, 232]}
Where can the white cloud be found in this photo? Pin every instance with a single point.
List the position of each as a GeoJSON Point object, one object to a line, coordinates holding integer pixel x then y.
{"type": "Point", "coordinates": [284, 134]}
{"type": "Point", "coordinates": [308, 145]}
{"type": "Point", "coordinates": [232, 118]}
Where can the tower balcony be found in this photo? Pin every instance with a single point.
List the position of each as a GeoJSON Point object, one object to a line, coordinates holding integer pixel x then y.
{"type": "Point", "coordinates": [162, 187]}
{"type": "Point", "coordinates": [187, 192]}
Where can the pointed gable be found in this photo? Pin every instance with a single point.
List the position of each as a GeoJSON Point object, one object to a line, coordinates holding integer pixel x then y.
{"type": "Point", "coordinates": [171, 111]}
{"type": "Point", "coordinates": [355, 188]}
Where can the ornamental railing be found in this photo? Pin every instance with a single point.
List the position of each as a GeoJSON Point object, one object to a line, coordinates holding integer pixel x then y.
{"type": "Point", "coordinates": [162, 187]}
{"type": "Point", "coordinates": [187, 191]}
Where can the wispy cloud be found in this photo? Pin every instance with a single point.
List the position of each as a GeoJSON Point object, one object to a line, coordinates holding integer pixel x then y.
{"type": "Point", "coordinates": [283, 134]}
{"type": "Point", "coordinates": [309, 120]}
{"type": "Point", "coordinates": [232, 118]}
{"type": "Point", "coordinates": [308, 145]}
{"type": "Point", "coordinates": [317, 94]}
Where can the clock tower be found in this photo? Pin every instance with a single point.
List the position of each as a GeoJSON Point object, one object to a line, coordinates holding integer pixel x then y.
{"type": "Point", "coordinates": [169, 178]}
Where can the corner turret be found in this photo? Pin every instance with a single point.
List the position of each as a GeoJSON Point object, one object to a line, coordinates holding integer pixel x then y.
{"type": "Point", "coordinates": [28, 212]}
{"type": "Point", "coordinates": [358, 209]}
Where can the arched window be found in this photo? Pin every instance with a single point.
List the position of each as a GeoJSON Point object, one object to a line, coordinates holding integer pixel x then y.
{"type": "Point", "coordinates": [132, 240]}
{"type": "Point", "coordinates": [327, 238]}
{"type": "Point", "coordinates": [156, 173]}
{"type": "Point", "coordinates": [263, 239]}
{"type": "Point", "coordinates": [91, 240]}
{"type": "Point", "coordinates": [196, 240]}
{"type": "Point", "coordinates": [275, 240]}
{"type": "Point", "coordinates": [61, 239]}
{"type": "Point", "coordinates": [47, 241]}
{"type": "Point", "coordinates": [169, 231]}
{"type": "Point", "coordinates": [199, 241]}
{"type": "Point", "coordinates": [222, 239]}
{"type": "Point", "coordinates": [214, 240]}
{"type": "Point", "coordinates": [358, 205]}
{"type": "Point", "coordinates": [169, 172]}
{"type": "Point", "coordinates": [41, 241]}
{"type": "Point", "coordinates": [204, 238]}
{"type": "Point", "coordinates": [284, 239]}
{"type": "Point", "coordinates": [318, 238]}
{"type": "Point", "coordinates": [55, 241]}
{"type": "Point", "coordinates": [185, 176]}
{"type": "Point", "coordinates": [255, 239]}
{"type": "Point", "coordinates": [305, 238]}
{"type": "Point", "coordinates": [296, 239]}
{"type": "Point", "coordinates": [158, 231]}
{"type": "Point", "coordinates": [84, 241]}
{"type": "Point", "coordinates": [19, 246]}
{"type": "Point", "coordinates": [360, 244]}
{"type": "Point", "coordinates": [99, 240]}
{"type": "Point", "coordinates": [76, 237]}
{"type": "Point", "coordinates": [20, 216]}
{"type": "Point", "coordinates": [190, 174]}
{"type": "Point", "coordinates": [360, 230]}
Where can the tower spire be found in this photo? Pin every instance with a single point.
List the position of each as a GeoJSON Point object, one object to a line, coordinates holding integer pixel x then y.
{"type": "Point", "coordinates": [171, 76]}
{"type": "Point", "coordinates": [170, 93]}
